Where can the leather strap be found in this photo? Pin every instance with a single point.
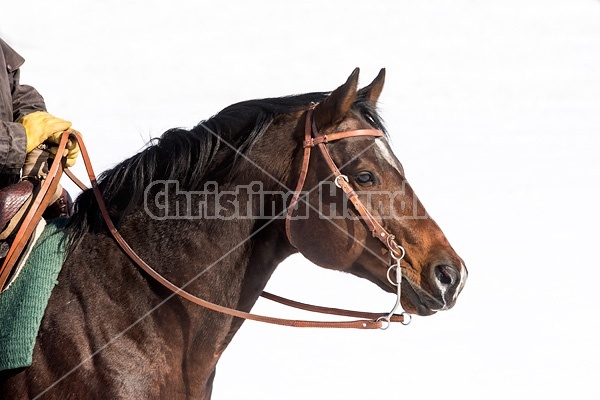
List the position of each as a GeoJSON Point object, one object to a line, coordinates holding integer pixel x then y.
{"type": "Point", "coordinates": [41, 201]}
{"type": "Point", "coordinates": [368, 321]}
{"type": "Point", "coordinates": [302, 177]}
{"type": "Point", "coordinates": [328, 310]}
{"type": "Point", "coordinates": [312, 138]}
{"type": "Point", "coordinates": [377, 230]}
{"type": "Point", "coordinates": [312, 142]}
{"type": "Point", "coordinates": [75, 180]}
{"type": "Point", "coordinates": [356, 324]}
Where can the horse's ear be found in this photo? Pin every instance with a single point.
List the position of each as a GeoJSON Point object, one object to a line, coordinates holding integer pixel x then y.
{"type": "Point", "coordinates": [334, 107]}
{"type": "Point", "coordinates": [371, 92]}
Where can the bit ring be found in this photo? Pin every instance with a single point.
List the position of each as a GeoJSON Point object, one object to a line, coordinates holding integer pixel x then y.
{"type": "Point", "coordinates": [336, 181]}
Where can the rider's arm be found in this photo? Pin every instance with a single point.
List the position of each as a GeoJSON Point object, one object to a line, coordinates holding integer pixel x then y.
{"type": "Point", "coordinates": [16, 101]}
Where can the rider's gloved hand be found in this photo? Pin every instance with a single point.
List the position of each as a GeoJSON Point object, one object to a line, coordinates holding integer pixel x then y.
{"type": "Point", "coordinates": [71, 151]}
{"type": "Point", "coordinates": [42, 127]}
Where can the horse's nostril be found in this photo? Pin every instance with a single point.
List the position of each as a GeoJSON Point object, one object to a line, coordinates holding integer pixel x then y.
{"type": "Point", "coordinates": [446, 274]}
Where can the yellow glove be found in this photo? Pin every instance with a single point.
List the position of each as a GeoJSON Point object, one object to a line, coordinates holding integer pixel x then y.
{"type": "Point", "coordinates": [71, 151]}
{"type": "Point", "coordinates": [42, 127]}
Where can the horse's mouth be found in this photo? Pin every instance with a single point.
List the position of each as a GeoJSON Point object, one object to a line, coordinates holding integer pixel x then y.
{"type": "Point", "coordinates": [417, 304]}
{"type": "Point", "coordinates": [414, 299]}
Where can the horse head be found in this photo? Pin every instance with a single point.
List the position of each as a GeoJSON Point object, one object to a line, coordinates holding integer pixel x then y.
{"type": "Point", "coordinates": [332, 234]}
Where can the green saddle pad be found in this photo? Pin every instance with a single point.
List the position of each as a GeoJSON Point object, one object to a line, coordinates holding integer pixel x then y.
{"type": "Point", "coordinates": [23, 303]}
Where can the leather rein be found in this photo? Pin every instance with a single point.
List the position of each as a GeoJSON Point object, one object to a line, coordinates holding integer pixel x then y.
{"type": "Point", "coordinates": [367, 320]}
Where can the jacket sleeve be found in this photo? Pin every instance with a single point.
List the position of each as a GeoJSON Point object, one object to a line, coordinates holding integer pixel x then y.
{"type": "Point", "coordinates": [25, 100]}
{"type": "Point", "coordinates": [13, 144]}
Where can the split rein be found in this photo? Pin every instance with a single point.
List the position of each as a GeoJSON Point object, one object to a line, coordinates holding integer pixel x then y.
{"type": "Point", "coordinates": [366, 320]}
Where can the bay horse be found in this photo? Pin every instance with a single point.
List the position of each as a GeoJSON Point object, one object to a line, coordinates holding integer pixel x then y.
{"type": "Point", "coordinates": [110, 331]}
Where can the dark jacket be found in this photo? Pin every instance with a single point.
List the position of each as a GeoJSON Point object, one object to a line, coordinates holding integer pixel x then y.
{"type": "Point", "coordinates": [16, 101]}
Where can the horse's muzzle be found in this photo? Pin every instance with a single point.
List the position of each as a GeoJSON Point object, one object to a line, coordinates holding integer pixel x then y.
{"type": "Point", "coordinates": [448, 280]}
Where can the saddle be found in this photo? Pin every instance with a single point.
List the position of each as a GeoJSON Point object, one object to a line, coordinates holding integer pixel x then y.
{"type": "Point", "coordinates": [14, 200]}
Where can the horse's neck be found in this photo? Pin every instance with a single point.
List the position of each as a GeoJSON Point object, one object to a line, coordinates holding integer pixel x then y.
{"type": "Point", "coordinates": [224, 262]}
{"type": "Point", "coordinates": [268, 252]}
{"type": "Point", "coordinates": [227, 261]}
{"type": "Point", "coordinates": [266, 255]}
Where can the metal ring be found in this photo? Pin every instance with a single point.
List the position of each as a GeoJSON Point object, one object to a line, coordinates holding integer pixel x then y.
{"type": "Point", "coordinates": [388, 274]}
{"type": "Point", "coordinates": [384, 326]}
{"type": "Point", "coordinates": [404, 314]}
{"type": "Point", "coordinates": [402, 254]}
{"type": "Point", "coordinates": [344, 177]}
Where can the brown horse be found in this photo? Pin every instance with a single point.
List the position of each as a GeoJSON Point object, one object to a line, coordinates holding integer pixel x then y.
{"type": "Point", "coordinates": [110, 331]}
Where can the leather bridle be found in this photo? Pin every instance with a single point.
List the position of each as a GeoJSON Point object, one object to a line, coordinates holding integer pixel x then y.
{"type": "Point", "coordinates": [312, 138]}
{"type": "Point", "coordinates": [367, 320]}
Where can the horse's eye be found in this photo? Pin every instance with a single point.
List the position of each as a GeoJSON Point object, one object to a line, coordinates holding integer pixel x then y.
{"type": "Point", "coordinates": [364, 178]}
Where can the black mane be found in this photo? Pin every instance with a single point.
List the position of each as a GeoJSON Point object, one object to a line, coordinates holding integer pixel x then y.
{"type": "Point", "coordinates": [187, 155]}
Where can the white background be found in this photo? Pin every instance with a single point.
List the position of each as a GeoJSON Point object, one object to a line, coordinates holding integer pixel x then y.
{"type": "Point", "coordinates": [494, 110]}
